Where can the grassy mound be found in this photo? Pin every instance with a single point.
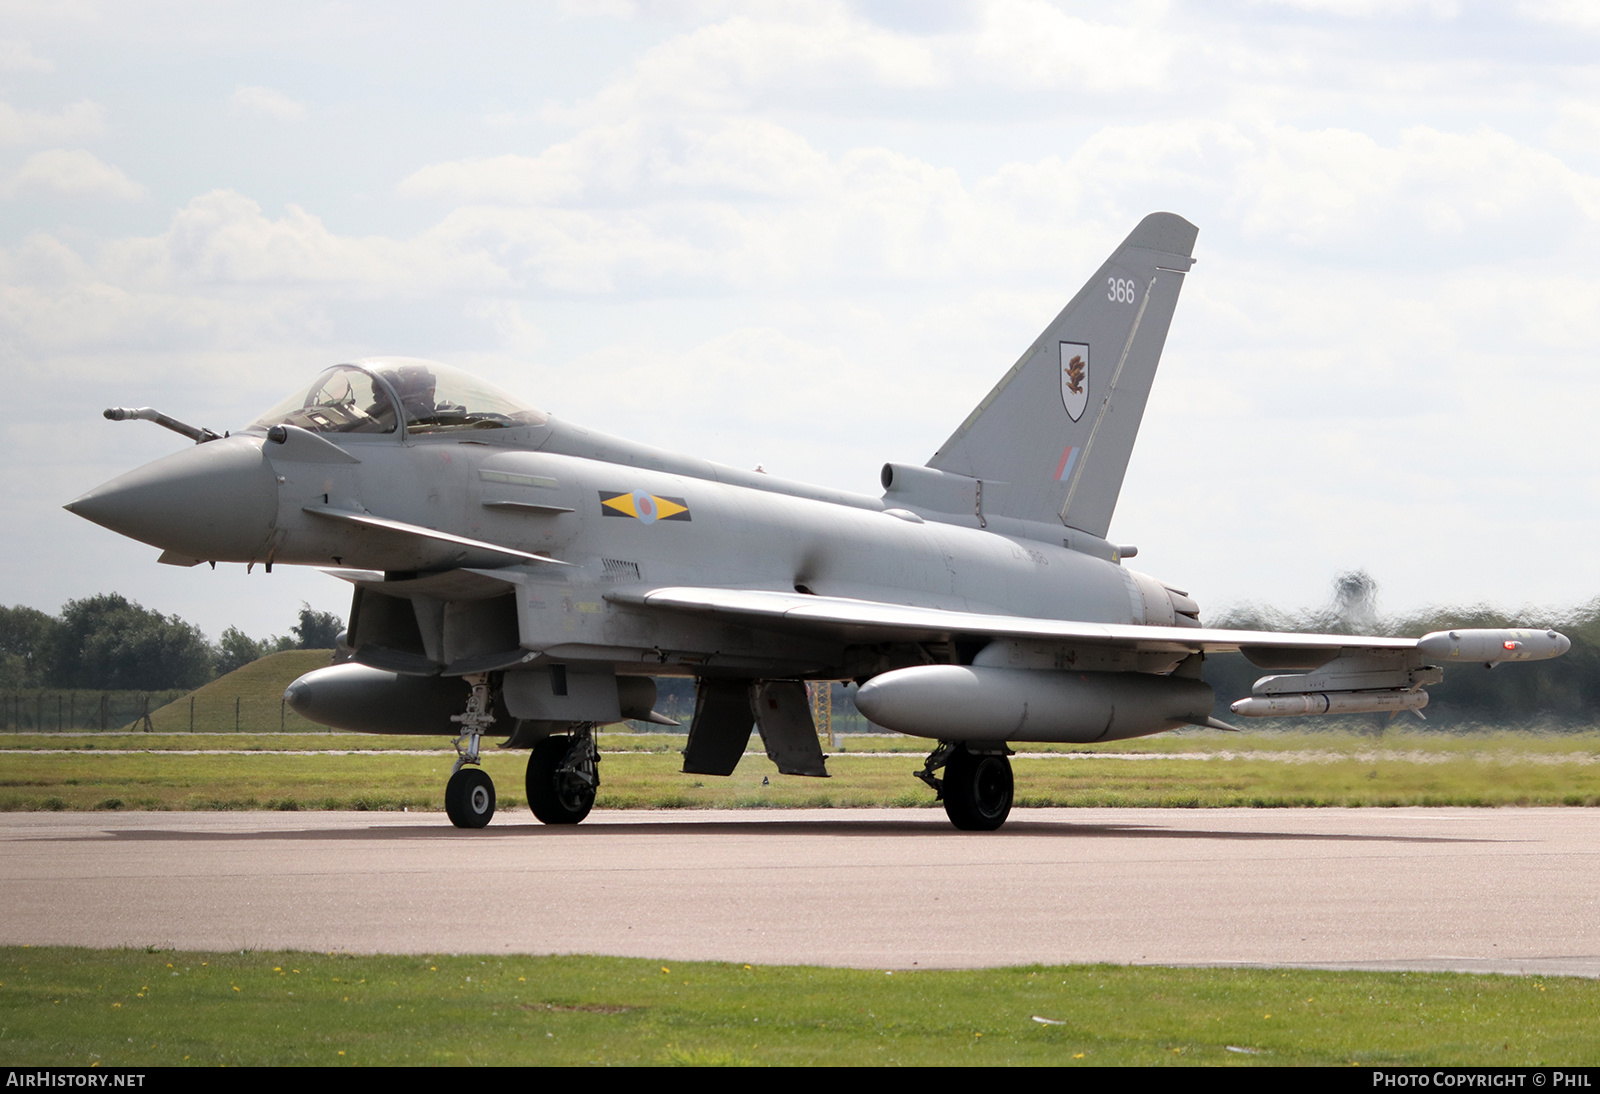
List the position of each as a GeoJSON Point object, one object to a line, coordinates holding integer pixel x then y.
{"type": "Point", "coordinates": [248, 699]}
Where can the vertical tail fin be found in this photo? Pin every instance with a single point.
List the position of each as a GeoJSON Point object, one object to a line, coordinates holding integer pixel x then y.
{"type": "Point", "coordinates": [1052, 440]}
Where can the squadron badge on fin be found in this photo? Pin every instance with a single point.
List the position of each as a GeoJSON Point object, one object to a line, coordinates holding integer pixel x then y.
{"type": "Point", "coordinates": [1074, 378]}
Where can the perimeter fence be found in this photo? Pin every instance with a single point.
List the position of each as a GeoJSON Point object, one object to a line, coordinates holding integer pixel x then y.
{"type": "Point", "coordinates": [53, 711]}
{"type": "Point", "coordinates": [247, 704]}
{"type": "Point", "coordinates": [43, 710]}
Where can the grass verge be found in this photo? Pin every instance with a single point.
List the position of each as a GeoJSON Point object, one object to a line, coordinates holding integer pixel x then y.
{"type": "Point", "coordinates": [62, 1006]}
{"type": "Point", "coordinates": [1347, 770]}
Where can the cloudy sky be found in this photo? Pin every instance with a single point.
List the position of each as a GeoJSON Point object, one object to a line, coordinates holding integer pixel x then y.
{"type": "Point", "coordinates": [812, 236]}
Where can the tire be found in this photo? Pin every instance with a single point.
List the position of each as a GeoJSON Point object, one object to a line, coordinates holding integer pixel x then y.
{"type": "Point", "coordinates": [977, 791]}
{"type": "Point", "coordinates": [556, 798]}
{"type": "Point", "coordinates": [469, 798]}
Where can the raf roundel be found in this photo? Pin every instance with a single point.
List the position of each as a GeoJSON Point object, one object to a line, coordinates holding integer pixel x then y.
{"type": "Point", "coordinates": [644, 507]}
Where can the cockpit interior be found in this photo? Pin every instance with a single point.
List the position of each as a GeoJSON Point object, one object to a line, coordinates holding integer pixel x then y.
{"type": "Point", "coordinates": [388, 395]}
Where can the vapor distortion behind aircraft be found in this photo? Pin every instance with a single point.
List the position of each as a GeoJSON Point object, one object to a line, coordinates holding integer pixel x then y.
{"type": "Point", "coordinates": [518, 575]}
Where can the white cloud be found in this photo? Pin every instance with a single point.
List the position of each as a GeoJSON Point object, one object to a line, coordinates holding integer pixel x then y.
{"type": "Point", "coordinates": [868, 212]}
{"type": "Point", "coordinates": [497, 180]}
{"type": "Point", "coordinates": [73, 123]}
{"type": "Point", "coordinates": [222, 244]}
{"type": "Point", "coordinates": [223, 239]}
{"type": "Point", "coordinates": [747, 203]}
{"type": "Point", "coordinates": [744, 59]}
{"type": "Point", "coordinates": [268, 102]}
{"type": "Point", "coordinates": [819, 57]}
{"type": "Point", "coordinates": [1426, 198]}
{"type": "Point", "coordinates": [1575, 127]}
{"type": "Point", "coordinates": [1580, 14]}
{"type": "Point", "coordinates": [728, 158]}
{"type": "Point", "coordinates": [71, 173]}
{"type": "Point", "coordinates": [55, 304]}
{"type": "Point", "coordinates": [1343, 190]}
{"type": "Point", "coordinates": [1372, 9]}
{"type": "Point", "coordinates": [1032, 45]}
{"type": "Point", "coordinates": [19, 57]}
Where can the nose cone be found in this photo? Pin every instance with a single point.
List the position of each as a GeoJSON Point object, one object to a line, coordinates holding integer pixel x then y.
{"type": "Point", "coordinates": [217, 502]}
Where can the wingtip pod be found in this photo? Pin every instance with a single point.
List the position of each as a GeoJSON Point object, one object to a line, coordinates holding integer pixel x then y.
{"type": "Point", "coordinates": [1492, 645]}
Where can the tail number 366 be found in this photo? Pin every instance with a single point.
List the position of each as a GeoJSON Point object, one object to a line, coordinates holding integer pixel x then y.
{"type": "Point", "coordinates": [1119, 289]}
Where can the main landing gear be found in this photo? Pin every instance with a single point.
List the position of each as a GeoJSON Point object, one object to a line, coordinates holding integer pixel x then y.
{"type": "Point", "coordinates": [976, 788]}
{"type": "Point", "coordinates": [469, 795]}
{"type": "Point", "coordinates": [563, 776]}
{"type": "Point", "coordinates": [563, 771]}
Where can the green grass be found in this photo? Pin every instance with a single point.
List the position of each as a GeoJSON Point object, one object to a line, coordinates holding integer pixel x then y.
{"type": "Point", "coordinates": [643, 772]}
{"type": "Point", "coordinates": [61, 1006]}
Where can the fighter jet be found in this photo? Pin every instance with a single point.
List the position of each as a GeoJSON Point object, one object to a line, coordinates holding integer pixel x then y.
{"type": "Point", "coordinates": [518, 575]}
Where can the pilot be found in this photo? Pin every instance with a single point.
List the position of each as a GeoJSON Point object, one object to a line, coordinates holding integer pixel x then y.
{"type": "Point", "coordinates": [415, 385]}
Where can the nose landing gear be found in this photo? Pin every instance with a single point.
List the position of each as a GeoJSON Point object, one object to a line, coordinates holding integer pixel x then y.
{"type": "Point", "coordinates": [469, 795]}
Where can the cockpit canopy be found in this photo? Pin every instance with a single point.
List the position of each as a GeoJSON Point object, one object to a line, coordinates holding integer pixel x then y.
{"type": "Point", "coordinates": [375, 395]}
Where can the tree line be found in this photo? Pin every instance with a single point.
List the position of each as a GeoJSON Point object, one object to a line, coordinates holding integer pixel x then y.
{"type": "Point", "coordinates": [109, 642]}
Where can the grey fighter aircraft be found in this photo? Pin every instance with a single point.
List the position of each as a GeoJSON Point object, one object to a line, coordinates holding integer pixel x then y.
{"type": "Point", "coordinates": [515, 574]}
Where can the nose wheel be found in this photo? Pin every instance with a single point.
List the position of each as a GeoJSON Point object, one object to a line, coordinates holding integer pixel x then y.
{"type": "Point", "coordinates": [469, 798]}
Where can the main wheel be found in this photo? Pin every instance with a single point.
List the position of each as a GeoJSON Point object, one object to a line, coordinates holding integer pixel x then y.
{"type": "Point", "coordinates": [977, 791]}
{"type": "Point", "coordinates": [555, 796]}
{"type": "Point", "coordinates": [469, 798]}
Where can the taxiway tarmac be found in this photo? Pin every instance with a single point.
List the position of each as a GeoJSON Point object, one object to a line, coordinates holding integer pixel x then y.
{"type": "Point", "coordinates": [1496, 890]}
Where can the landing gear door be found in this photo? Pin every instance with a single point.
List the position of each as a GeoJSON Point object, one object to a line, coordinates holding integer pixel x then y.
{"type": "Point", "coordinates": [721, 727]}
{"type": "Point", "coordinates": [784, 717]}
